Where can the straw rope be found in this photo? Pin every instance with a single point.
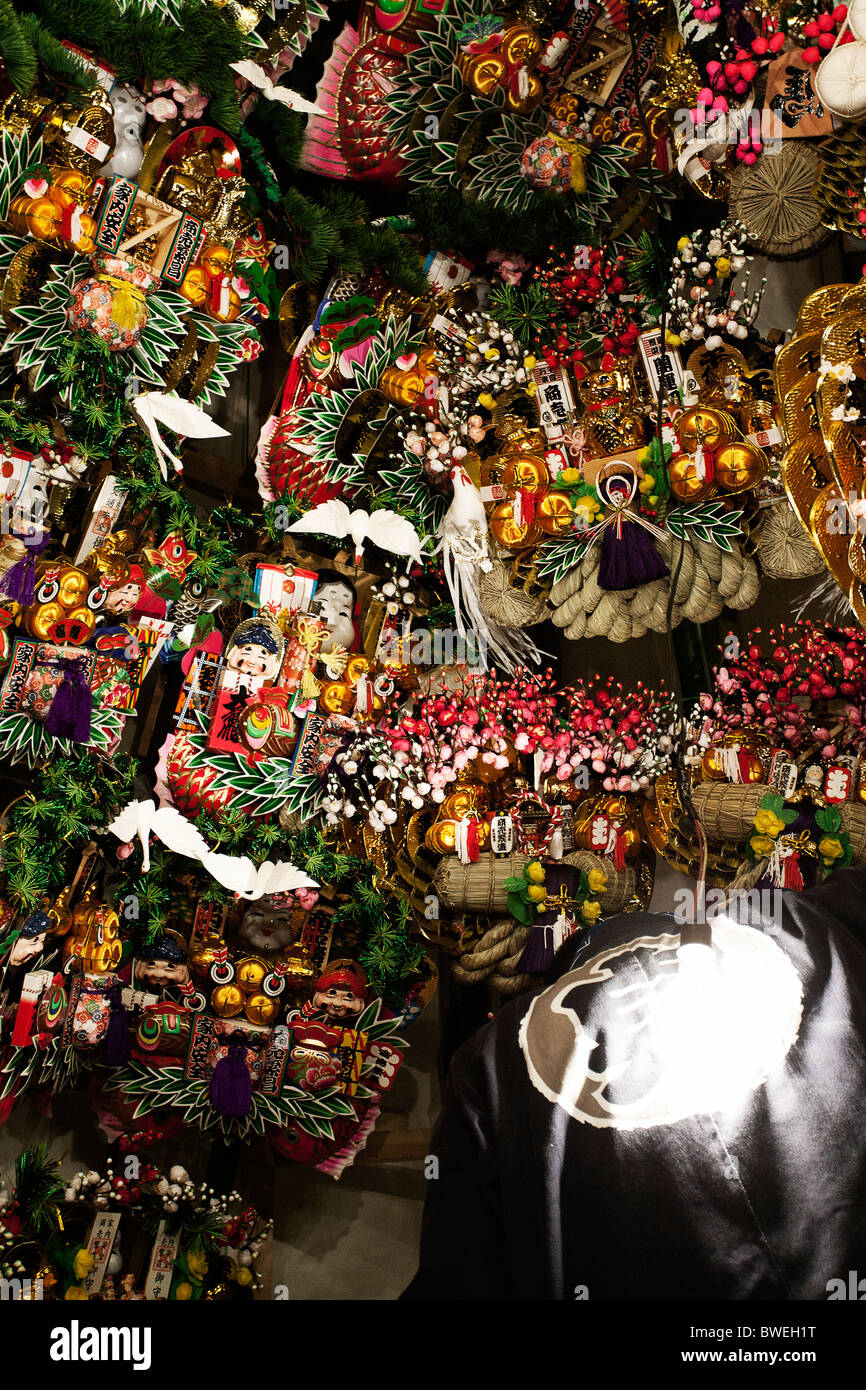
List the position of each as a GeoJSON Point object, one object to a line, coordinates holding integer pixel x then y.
{"type": "Point", "coordinates": [709, 580]}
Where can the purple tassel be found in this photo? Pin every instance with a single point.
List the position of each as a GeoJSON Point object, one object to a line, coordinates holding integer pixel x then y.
{"type": "Point", "coordinates": [19, 582]}
{"type": "Point", "coordinates": [117, 1048]}
{"type": "Point", "coordinates": [630, 560]}
{"type": "Point", "coordinates": [72, 706]}
{"type": "Point", "coordinates": [231, 1090]}
{"type": "Point", "coordinates": [538, 951]}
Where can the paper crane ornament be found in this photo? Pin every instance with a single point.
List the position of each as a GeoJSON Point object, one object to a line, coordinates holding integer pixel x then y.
{"type": "Point", "coordinates": [141, 819]}
{"type": "Point", "coordinates": [385, 529]}
{"type": "Point", "coordinates": [155, 408]}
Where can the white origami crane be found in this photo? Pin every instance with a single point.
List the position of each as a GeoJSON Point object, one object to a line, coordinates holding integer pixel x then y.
{"type": "Point", "coordinates": [169, 409]}
{"type": "Point", "coordinates": [385, 529]}
{"type": "Point", "coordinates": [237, 873]}
{"type": "Point", "coordinates": [257, 77]}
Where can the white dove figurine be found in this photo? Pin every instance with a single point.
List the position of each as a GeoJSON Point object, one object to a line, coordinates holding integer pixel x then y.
{"type": "Point", "coordinates": [384, 528]}
{"type": "Point", "coordinates": [237, 873]}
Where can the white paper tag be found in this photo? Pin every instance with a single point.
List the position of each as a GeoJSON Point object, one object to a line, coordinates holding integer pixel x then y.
{"type": "Point", "coordinates": [83, 140]}
{"type": "Point", "coordinates": [99, 1245]}
{"type": "Point", "coordinates": [162, 1258]}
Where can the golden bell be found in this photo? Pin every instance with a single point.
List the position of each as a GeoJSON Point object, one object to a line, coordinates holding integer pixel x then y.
{"type": "Point", "coordinates": [250, 973]}
{"type": "Point", "coordinates": [615, 808]}
{"type": "Point", "coordinates": [684, 480]}
{"type": "Point", "coordinates": [17, 214]}
{"type": "Point", "coordinates": [740, 466]}
{"type": "Point", "coordinates": [42, 218]}
{"type": "Point", "coordinates": [554, 513]}
{"type": "Point", "coordinates": [506, 531]}
{"type": "Point", "coordinates": [70, 188]}
{"type": "Point", "coordinates": [356, 667]}
{"type": "Point", "coordinates": [520, 45]}
{"type": "Point", "coordinates": [466, 801]}
{"type": "Point", "coordinates": [336, 697]}
{"type": "Point", "coordinates": [441, 838]}
{"type": "Point", "coordinates": [85, 242]}
{"type": "Point", "coordinates": [194, 286]}
{"type": "Point", "coordinates": [228, 1000]}
{"type": "Point", "coordinates": [261, 1008]}
{"type": "Point", "coordinates": [216, 259]}
{"type": "Point", "coordinates": [751, 767]}
{"type": "Point", "coordinates": [705, 427]}
{"type": "Point", "coordinates": [202, 958]}
{"type": "Point", "coordinates": [527, 472]}
{"type": "Point", "coordinates": [482, 72]}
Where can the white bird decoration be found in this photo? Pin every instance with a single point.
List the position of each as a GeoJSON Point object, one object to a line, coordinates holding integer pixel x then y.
{"type": "Point", "coordinates": [155, 408]}
{"type": "Point", "coordinates": [385, 528]}
{"type": "Point", "coordinates": [257, 77]}
{"type": "Point", "coordinates": [141, 819]}
{"type": "Point", "coordinates": [465, 555]}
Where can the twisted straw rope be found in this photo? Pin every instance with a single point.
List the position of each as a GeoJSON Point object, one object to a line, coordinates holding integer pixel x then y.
{"type": "Point", "coordinates": [709, 580]}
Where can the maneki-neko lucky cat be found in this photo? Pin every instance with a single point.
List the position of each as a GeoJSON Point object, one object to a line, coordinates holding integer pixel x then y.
{"type": "Point", "coordinates": [612, 421]}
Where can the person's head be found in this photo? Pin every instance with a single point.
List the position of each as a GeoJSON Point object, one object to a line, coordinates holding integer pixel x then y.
{"type": "Point", "coordinates": [334, 602]}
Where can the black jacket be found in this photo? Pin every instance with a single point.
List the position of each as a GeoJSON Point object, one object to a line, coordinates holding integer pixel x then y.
{"type": "Point", "coordinates": [761, 1196]}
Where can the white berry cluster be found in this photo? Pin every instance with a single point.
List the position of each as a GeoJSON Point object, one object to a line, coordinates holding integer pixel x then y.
{"type": "Point", "coordinates": [704, 300]}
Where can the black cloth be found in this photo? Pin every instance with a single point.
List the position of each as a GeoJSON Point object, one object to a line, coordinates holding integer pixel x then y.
{"type": "Point", "coordinates": [763, 1200]}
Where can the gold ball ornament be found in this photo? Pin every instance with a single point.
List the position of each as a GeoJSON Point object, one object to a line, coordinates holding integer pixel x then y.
{"type": "Point", "coordinates": [441, 838]}
{"type": "Point", "coordinates": [713, 762]}
{"type": "Point", "coordinates": [685, 481]}
{"type": "Point", "coordinates": [527, 472]}
{"type": "Point", "coordinates": [740, 466]}
{"type": "Point", "coordinates": [336, 698]}
{"type": "Point", "coordinates": [511, 534]}
{"type": "Point", "coordinates": [228, 1000]}
{"type": "Point", "coordinates": [555, 513]}
{"type": "Point", "coordinates": [43, 218]}
{"type": "Point", "coordinates": [261, 1008]}
{"type": "Point", "coordinates": [70, 188]}
{"type": "Point", "coordinates": [704, 427]}
{"type": "Point", "coordinates": [194, 286]}
{"type": "Point", "coordinates": [250, 973]}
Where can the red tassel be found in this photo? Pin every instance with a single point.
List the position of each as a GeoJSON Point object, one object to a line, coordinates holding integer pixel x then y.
{"type": "Point", "coordinates": [793, 877]}
{"type": "Point", "coordinates": [743, 764]}
{"type": "Point", "coordinates": [527, 507]}
{"type": "Point", "coordinates": [619, 851]}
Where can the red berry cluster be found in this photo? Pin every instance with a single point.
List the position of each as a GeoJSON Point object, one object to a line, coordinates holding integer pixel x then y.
{"type": "Point", "coordinates": [823, 32]}
{"type": "Point", "coordinates": [788, 690]}
{"type": "Point", "coordinates": [586, 288]}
